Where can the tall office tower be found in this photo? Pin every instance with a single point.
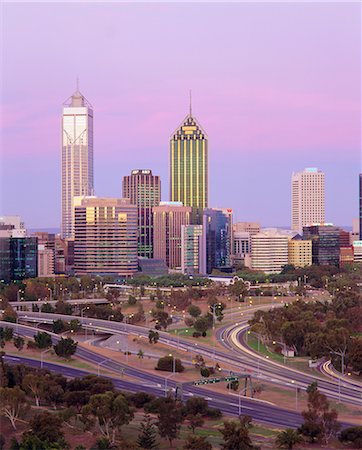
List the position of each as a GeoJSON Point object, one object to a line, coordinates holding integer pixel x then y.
{"type": "Point", "coordinates": [189, 167]}
{"type": "Point", "coordinates": [269, 251]}
{"type": "Point", "coordinates": [325, 243]}
{"type": "Point", "coordinates": [193, 255]}
{"type": "Point", "coordinates": [144, 191]}
{"type": "Point", "coordinates": [77, 157]}
{"type": "Point", "coordinates": [307, 199]}
{"type": "Point", "coordinates": [218, 234]}
{"type": "Point", "coordinates": [360, 206]}
{"type": "Point", "coordinates": [168, 219]}
{"type": "Point", "coordinates": [105, 240]}
{"type": "Point", "coordinates": [45, 261]}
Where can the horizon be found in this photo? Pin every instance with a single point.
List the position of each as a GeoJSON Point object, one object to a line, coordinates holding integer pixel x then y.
{"type": "Point", "coordinates": [275, 86]}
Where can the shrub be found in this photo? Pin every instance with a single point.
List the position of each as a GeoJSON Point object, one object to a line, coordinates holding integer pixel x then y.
{"type": "Point", "coordinates": [168, 364]}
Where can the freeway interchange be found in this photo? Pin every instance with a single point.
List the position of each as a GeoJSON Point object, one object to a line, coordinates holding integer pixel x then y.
{"type": "Point", "coordinates": [233, 352]}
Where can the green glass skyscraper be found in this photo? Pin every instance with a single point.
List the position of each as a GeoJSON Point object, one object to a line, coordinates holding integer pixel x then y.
{"type": "Point", "coordinates": [189, 167]}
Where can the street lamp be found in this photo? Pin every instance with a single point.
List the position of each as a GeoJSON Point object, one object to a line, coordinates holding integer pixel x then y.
{"type": "Point", "coordinates": [173, 363]}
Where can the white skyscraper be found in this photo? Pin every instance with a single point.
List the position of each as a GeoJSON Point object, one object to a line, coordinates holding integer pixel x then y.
{"type": "Point", "coordinates": [307, 198]}
{"type": "Point", "coordinates": [77, 156]}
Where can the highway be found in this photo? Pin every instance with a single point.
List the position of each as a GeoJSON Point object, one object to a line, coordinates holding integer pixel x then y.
{"type": "Point", "coordinates": [73, 302]}
{"type": "Point", "coordinates": [143, 381]}
{"type": "Point", "coordinates": [235, 354]}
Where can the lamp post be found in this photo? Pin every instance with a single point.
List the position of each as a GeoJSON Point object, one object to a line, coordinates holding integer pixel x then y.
{"type": "Point", "coordinates": [99, 365]}
{"type": "Point", "coordinates": [296, 395]}
{"type": "Point", "coordinates": [82, 317]}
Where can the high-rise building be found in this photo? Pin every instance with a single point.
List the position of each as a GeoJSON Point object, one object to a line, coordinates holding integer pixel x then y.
{"type": "Point", "coordinates": [168, 219]}
{"type": "Point", "coordinates": [105, 239]}
{"type": "Point", "coordinates": [354, 234]}
{"type": "Point", "coordinates": [218, 234]}
{"type": "Point", "coordinates": [357, 252]}
{"type": "Point", "coordinates": [246, 227]}
{"type": "Point", "coordinates": [325, 243]}
{"type": "Point", "coordinates": [360, 206]}
{"type": "Point", "coordinates": [193, 255]}
{"type": "Point", "coordinates": [18, 258]}
{"type": "Point", "coordinates": [144, 191]}
{"type": "Point", "coordinates": [299, 252]}
{"type": "Point", "coordinates": [307, 199]}
{"type": "Point", "coordinates": [189, 166]}
{"type": "Point", "coordinates": [269, 251]}
{"type": "Point", "coordinates": [77, 157]}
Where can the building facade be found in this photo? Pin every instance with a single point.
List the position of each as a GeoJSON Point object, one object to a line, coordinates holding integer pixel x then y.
{"type": "Point", "coordinates": [189, 167]}
{"type": "Point", "coordinates": [193, 254]}
{"type": "Point", "coordinates": [105, 239]}
{"type": "Point", "coordinates": [269, 251]}
{"type": "Point", "coordinates": [218, 235]}
{"type": "Point", "coordinates": [299, 252]}
{"type": "Point", "coordinates": [144, 190]}
{"type": "Point", "coordinates": [168, 219]}
{"type": "Point", "coordinates": [308, 198]}
{"type": "Point", "coordinates": [77, 157]}
{"type": "Point", "coordinates": [45, 261]}
{"type": "Point", "coordinates": [12, 226]}
{"type": "Point", "coordinates": [325, 243]}
{"type": "Point", "coordinates": [18, 258]}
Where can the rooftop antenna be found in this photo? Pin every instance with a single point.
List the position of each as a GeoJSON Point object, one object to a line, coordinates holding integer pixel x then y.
{"type": "Point", "coordinates": [77, 84]}
{"type": "Point", "coordinates": [190, 103]}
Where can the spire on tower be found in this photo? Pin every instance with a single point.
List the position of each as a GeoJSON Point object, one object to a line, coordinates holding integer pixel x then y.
{"type": "Point", "coordinates": [190, 103]}
{"type": "Point", "coordinates": [77, 85]}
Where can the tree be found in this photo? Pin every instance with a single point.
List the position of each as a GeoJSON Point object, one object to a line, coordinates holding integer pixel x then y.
{"type": "Point", "coordinates": [162, 319]}
{"type": "Point", "coordinates": [62, 307]}
{"type": "Point", "coordinates": [132, 300]}
{"type": "Point", "coordinates": [6, 333]}
{"type": "Point", "coordinates": [34, 384]}
{"type": "Point", "coordinates": [320, 422]}
{"type": "Point", "coordinates": [140, 354]}
{"type": "Point", "coordinates": [47, 427]}
{"type": "Point", "coordinates": [59, 326]}
{"type": "Point", "coordinates": [3, 372]}
{"type": "Point", "coordinates": [236, 434]}
{"type": "Point", "coordinates": [239, 289]}
{"type": "Point", "coordinates": [147, 437]}
{"type": "Point", "coordinates": [196, 405]}
{"type": "Point", "coordinates": [169, 420]}
{"type": "Point", "coordinates": [77, 399]}
{"type": "Point", "coordinates": [153, 337]}
{"type": "Point", "coordinates": [43, 339]}
{"type": "Point", "coordinates": [65, 348]}
{"type": "Point", "coordinates": [75, 325]}
{"type": "Point", "coordinates": [288, 438]}
{"type": "Point", "coordinates": [109, 412]}
{"type": "Point", "coordinates": [201, 324]}
{"type": "Point", "coordinates": [352, 435]}
{"type": "Point", "coordinates": [196, 443]}
{"type": "Point", "coordinates": [13, 403]}
{"type": "Point", "coordinates": [194, 311]}
{"type": "Point", "coordinates": [168, 364]}
{"type": "Point", "coordinates": [9, 315]}
{"type": "Point", "coordinates": [19, 342]}
{"type": "Point", "coordinates": [195, 421]}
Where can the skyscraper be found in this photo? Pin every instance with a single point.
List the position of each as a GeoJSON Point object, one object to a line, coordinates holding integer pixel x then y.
{"type": "Point", "coordinates": [168, 219]}
{"type": "Point", "coordinates": [105, 237]}
{"type": "Point", "coordinates": [307, 198]}
{"type": "Point", "coordinates": [189, 166]}
{"type": "Point", "coordinates": [269, 251]}
{"type": "Point", "coordinates": [144, 190]}
{"type": "Point", "coordinates": [325, 243]}
{"type": "Point", "coordinates": [77, 156]}
{"type": "Point", "coordinates": [218, 234]}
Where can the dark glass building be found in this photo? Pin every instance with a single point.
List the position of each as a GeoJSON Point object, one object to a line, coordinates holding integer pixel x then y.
{"type": "Point", "coordinates": [325, 244]}
{"type": "Point", "coordinates": [18, 258]}
{"type": "Point", "coordinates": [218, 235]}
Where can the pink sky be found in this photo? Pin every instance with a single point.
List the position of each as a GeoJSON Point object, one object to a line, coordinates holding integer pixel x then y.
{"type": "Point", "coordinates": [275, 85]}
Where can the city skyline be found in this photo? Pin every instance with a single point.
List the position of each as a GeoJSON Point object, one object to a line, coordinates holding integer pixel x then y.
{"type": "Point", "coordinates": [262, 125]}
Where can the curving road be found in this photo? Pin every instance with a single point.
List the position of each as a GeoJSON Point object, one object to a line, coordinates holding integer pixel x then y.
{"type": "Point", "coordinates": [236, 353]}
